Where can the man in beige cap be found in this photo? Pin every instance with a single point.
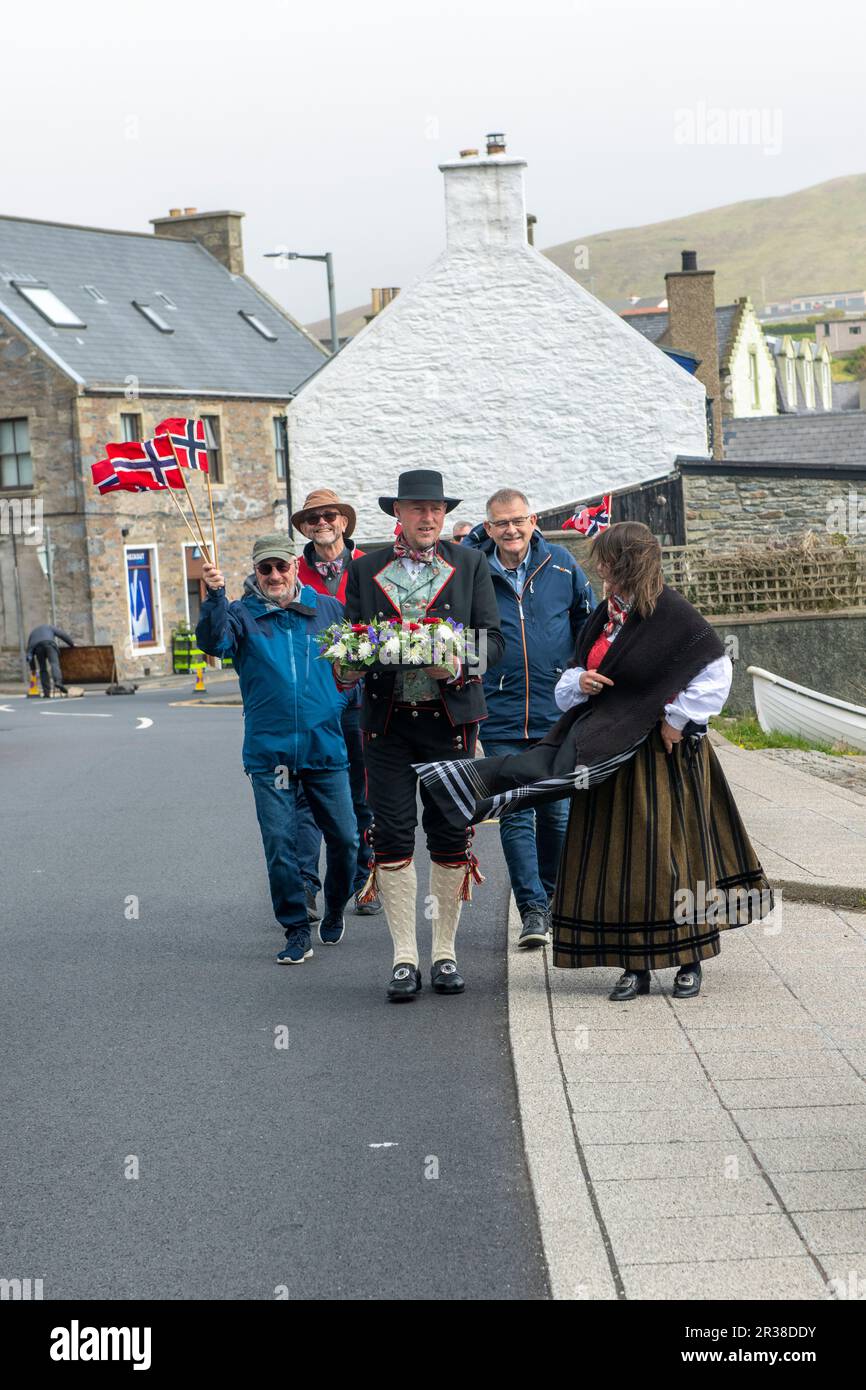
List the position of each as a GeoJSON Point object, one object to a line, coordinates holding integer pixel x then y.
{"type": "Point", "coordinates": [293, 741]}
{"type": "Point", "coordinates": [324, 565]}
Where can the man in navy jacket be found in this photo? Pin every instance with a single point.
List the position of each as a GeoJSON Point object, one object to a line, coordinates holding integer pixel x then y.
{"type": "Point", "coordinates": [292, 733]}
{"type": "Point", "coordinates": [544, 599]}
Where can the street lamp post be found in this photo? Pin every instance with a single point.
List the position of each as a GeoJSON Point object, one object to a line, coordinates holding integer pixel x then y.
{"type": "Point", "coordinates": [329, 267]}
{"type": "Point", "coordinates": [45, 554]}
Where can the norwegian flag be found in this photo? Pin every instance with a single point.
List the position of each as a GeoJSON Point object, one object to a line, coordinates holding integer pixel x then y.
{"type": "Point", "coordinates": [590, 520]}
{"type": "Point", "coordinates": [146, 465]}
{"type": "Point", "coordinates": [189, 440]}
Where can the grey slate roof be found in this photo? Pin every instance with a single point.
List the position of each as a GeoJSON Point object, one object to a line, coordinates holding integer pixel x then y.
{"type": "Point", "coordinates": [653, 326]}
{"type": "Point", "coordinates": [212, 348]}
{"type": "Point", "coordinates": [829, 437]}
{"type": "Point", "coordinates": [846, 395]}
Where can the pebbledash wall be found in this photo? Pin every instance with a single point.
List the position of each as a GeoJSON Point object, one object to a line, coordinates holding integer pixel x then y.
{"type": "Point", "coordinates": [68, 432]}
{"type": "Point", "coordinates": [497, 368]}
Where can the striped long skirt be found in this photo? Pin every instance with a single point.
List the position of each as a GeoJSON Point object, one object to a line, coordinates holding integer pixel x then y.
{"type": "Point", "coordinates": [656, 862]}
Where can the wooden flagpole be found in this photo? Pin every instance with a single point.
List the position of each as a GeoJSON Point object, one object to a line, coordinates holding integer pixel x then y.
{"type": "Point", "coordinates": [201, 542]}
{"type": "Point", "coordinates": [198, 542]}
{"type": "Point", "coordinates": [212, 519]}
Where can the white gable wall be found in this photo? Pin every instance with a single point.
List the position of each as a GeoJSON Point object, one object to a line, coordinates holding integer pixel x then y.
{"type": "Point", "coordinates": [497, 369]}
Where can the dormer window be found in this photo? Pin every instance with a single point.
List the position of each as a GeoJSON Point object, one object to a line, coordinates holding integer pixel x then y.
{"type": "Point", "coordinates": [754, 381]}
{"type": "Point", "coordinates": [809, 383]}
{"type": "Point", "coordinates": [826, 385]}
{"type": "Point", "coordinates": [257, 324]}
{"type": "Point", "coordinates": [153, 317]}
{"type": "Point", "coordinates": [791, 382]}
{"type": "Point", "coordinates": [46, 303]}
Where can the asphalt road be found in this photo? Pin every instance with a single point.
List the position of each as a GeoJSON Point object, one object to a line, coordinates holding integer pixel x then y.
{"type": "Point", "coordinates": [146, 1044]}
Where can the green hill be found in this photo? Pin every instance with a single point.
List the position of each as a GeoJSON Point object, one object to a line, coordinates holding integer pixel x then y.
{"type": "Point", "coordinates": [768, 248]}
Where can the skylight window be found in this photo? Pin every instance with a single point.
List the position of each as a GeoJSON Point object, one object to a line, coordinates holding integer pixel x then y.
{"type": "Point", "coordinates": [258, 325]}
{"type": "Point", "coordinates": [169, 303]}
{"type": "Point", "coordinates": [95, 294]}
{"type": "Point", "coordinates": [153, 317]}
{"type": "Point", "coordinates": [46, 303]}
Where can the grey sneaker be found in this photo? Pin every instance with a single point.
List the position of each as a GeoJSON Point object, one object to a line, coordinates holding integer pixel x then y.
{"type": "Point", "coordinates": [535, 931]}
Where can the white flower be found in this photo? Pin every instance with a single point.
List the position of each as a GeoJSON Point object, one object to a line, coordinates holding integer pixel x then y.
{"type": "Point", "coordinates": [365, 649]}
{"type": "Point", "coordinates": [336, 652]}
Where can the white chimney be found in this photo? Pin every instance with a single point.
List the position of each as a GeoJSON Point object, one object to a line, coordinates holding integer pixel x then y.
{"type": "Point", "coordinates": [484, 202]}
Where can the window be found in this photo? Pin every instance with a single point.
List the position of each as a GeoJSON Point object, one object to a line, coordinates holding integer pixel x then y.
{"type": "Point", "coordinates": [46, 303]}
{"type": "Point", "coordinates": [855, 331]}
{"type": "Point", "coordinates": [281, 445]}
{"type": "Point", "coordinates": [258, 325]}
{"type": "Point", "coordinates": [790, 382]}
{"type": "Point", "coordinates": [16, 465]}
{"type": "Point", "coordinates": [153, 317]}
{"type": "Point", "coordinates": [214, 447]}
{"type": "Point", "coordinates": [142, 591]}
{"type": "Point", "coordinates": [95, 294]}
{"type": "Point", "coordinates": [169, 303]}
{"type": "Point", "coordinates": [753, 378]}
{"type": "Point", "coordinates": [826, 385]}
{"type": "Point", "coordinates": [130, 427]}
{"type": "Point", "coordinates": [809, 383]}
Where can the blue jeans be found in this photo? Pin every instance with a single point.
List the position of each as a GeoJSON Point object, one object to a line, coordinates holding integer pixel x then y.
{"type": "Point", "coordinates": [531, 839]}
{"type": "Point", "coordinates": [328, 794]}
{"type": "Point", "coordinates": [309, 834]}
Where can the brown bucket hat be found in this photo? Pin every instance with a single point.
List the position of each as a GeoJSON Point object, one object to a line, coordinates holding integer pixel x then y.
{"type": "Point", "coordinates": [323, 497]}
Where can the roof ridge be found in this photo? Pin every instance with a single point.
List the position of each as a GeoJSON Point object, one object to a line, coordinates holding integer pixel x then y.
{"type": "Point", "coordinates": [106, 231]}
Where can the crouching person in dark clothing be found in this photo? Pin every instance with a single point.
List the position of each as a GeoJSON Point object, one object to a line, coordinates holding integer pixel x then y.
{"type": "Point", "coordinates": [292, 733]}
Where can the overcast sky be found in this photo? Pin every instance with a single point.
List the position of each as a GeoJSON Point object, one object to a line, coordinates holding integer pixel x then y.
{"type": "Point", "coordinates": [325, 122]}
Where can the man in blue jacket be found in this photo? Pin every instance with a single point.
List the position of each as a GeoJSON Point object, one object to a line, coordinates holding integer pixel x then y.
{"type": "Point", "coordinates": [544, 599]}
{"type": "Point", "coordinates": [292, 732]}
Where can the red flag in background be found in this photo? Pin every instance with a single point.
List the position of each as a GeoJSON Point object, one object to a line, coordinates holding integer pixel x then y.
{"type": "Point", "coordinates": [146, 465]}
{"type": "Point", "coordinates": [189, 440]}
{"type": "Point", "coordinates": [590, 520]}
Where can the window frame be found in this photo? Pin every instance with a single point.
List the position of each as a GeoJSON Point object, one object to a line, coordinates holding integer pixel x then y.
{"type": "Point", "coordinates": [215, 450]}
{"type": "Point", "coordinates": [132, 438]}
{"type": "Point", "coordinates": [26, 287]}
{"type": "Point", "coordinates": [17, 455]}
{"type": "Point", "coordinates": [281, 446]}
{"type": "Point", "coordinates": [754, 378]}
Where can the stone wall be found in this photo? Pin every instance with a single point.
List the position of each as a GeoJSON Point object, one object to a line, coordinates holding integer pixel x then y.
{"type": "Point", "coordinates": [34, 388]}
{"type": "Point", "coordinates": [729, 510]}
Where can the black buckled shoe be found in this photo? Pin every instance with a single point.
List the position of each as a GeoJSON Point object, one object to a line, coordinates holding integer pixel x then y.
{"type": "Point", "coordinates": [688, 981]}
{"type": "Point", "coordinates": [630, 984]}
{"type": "Point", "coordinates": [446, 978]}
{"type": "Point", "coordinates": [405, 982]}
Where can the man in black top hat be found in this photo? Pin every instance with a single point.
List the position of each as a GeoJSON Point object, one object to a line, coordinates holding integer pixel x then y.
{"type": "Point", "coordinates": [412, 714]}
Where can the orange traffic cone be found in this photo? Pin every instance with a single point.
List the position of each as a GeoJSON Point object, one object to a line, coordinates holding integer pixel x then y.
{"type": "Point", "coordinates": [199, 679]}
{"type": "Point", "coordinates": [34, 690]}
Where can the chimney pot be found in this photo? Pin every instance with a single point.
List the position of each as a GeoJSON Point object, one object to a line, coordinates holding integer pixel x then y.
{"type": "Point", "coordinates": [468, 154]}
{"type": "Point", "coordinates": [690, 260]}
{"type": "Point", "coordinates": [174, 212]}
{"type": "Point", "coordinates": [496, 143]}
{"type": "Point", "coordinates": [188, 212]}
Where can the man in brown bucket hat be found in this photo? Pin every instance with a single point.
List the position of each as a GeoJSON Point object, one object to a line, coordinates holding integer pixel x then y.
{"type": "Point", "coordinates": [328, 524]}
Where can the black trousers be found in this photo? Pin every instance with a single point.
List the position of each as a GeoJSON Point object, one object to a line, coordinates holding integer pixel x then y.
{"type": "Point", "coordinates": [49, 659]}
{"type": "Point", "coordinates": [414, 735]}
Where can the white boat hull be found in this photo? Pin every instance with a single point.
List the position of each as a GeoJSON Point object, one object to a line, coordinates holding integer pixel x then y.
{"type": "Point", "coordinates": [786, 708]}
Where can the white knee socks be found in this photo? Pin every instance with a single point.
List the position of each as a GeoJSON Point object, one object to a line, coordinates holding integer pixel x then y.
{"type": "Point", "coordinates": [398, 889]}
{"type": "Point", "coordinates": [445, 885]}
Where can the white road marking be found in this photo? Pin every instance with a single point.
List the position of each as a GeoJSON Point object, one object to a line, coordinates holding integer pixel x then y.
{"type": "Point", "coordinates": [7, 709]}
{"type": "Point", "coordinates": [74, 714]}
{"type": "Point", "coordinates": [143, 723]}
{"type": "Point", "coordinates": [389, 1144]}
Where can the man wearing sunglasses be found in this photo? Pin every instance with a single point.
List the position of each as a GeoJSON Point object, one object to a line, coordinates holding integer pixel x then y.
{"type": "Point", "coordinates": [544, 598]}
{"type": "Point", "coordinates": [293, 739]}
{"type": "Point", "coordinates": [324, 566]}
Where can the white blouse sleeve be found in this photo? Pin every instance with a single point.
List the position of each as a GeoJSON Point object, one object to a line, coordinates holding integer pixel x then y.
{"type": "Point", "coordinates": [703, 697]}
{"type": "Point", "coordinates": [568, 692]}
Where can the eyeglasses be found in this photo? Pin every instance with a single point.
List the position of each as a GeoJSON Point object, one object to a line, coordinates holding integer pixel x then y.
{"type": "Point", "coordinates": [313, 518]}
{"type": "Point", "coordinates": [512, 521]}
{"type": "Point", "coordinates": [280, 565]}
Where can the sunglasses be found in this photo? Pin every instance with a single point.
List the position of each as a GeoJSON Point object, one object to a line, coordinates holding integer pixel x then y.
{"type": "Point", "coordinates": [279, 565]}
{"type": "Point", "coordinates": [314, 518]}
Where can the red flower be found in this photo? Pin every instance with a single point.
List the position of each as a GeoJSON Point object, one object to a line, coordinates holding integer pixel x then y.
{"type": "Point", "coordinates": [414, 627]}
{"type": "Point", "coordinates": [359, 627]}
{"type": "Point", "coordinates": [431, 622]}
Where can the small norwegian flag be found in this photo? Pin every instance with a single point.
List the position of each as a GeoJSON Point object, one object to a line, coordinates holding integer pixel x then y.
{"type": "Point", "coordinates": [189, 440]}
{"type": "Point", "coordinates": [146, 465]}
{"type": "Point", "coordinates": [590, 520]}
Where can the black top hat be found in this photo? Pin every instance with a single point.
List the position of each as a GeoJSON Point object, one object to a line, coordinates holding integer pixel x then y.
{"type": "Point", "coordinates": [419, 485]}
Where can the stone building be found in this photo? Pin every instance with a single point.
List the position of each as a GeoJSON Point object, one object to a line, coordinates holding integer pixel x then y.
{"type": "Point", "coordinates": [102, 335]}
{"type": "Point", "coordinates": [498, 368]}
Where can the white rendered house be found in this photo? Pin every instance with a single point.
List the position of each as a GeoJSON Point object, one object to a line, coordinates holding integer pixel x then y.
{"type": "Point", "coordinates": [496, 368]}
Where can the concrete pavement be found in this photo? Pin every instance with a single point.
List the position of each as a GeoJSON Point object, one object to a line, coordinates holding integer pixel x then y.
{"type": "Point", "coordinates": [714, 1147]}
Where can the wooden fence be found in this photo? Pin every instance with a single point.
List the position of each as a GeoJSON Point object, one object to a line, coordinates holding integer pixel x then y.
{"type": "Point", "coordinates": [795, 580]}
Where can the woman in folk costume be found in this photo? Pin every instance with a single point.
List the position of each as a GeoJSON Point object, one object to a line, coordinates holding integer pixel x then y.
{"type": "Point", "coordinates": [656, 859]}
